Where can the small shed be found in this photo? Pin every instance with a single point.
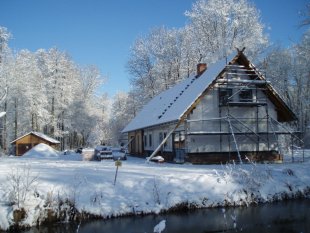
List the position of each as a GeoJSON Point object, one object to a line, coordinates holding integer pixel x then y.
{"type": "Point", "coordinates": [29, 140]}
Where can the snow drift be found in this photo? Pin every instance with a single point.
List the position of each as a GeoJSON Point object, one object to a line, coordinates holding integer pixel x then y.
{"type": "Point", "coordinates": [41, 151]}
{"type": "Point", "coordinates": [65, 189]}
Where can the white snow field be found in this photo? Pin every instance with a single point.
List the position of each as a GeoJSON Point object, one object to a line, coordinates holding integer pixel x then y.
{"type": "Point", "coordinates": [38, 184]}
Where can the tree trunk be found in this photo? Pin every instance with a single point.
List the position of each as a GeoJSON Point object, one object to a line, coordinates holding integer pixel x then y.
{"type": "Point", "coordinates": [4, 133]}
{"type": "Point", "coordinates": [16, 118]}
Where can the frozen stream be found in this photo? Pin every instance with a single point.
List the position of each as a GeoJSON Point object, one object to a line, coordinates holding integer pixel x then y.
{"type": "Point", "coordinates": [287, 216]}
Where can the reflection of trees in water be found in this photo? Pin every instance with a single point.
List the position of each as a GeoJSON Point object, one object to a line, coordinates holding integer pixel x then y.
{"type": "Point", "coordinates": [289, 216]}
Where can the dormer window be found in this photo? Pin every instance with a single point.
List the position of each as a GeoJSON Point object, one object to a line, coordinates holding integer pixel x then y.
{"type": "Point", "coordinates": [224, 94]}
{"type": "Point", "coordinates": [246, 96]}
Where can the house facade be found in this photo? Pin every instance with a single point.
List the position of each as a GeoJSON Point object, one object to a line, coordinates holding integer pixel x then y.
{"type": "Point", "coordinates": [225, 112]}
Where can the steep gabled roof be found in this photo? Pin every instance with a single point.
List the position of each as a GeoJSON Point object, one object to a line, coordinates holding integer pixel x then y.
{"type": "Point", "coordinates": [174, 103]}
{"type": "Point", "coordinates": [283, 110]}
{"type": "Point", "coordinates": [171, 104]}
{"type": "Point", "coordinates": [40, 135]}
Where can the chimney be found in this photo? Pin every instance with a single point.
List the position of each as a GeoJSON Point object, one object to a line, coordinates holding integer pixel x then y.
{"type": "Point", "coordinates": [201, 67]}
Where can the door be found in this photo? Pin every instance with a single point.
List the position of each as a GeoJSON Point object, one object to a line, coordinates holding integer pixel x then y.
{"type": "Point", "coordinates": [23, 148]}
{"type": "Point", "coordinates": [179, 146]}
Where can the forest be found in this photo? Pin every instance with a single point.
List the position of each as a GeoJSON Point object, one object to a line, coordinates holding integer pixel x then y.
{"type": "Point", "coordinates": [47, 91]}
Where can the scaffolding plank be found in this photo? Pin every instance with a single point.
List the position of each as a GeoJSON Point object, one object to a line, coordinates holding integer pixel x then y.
{"type": "Point", "coordinates": [244, 104]}
{"type": "Point", "coordinates": [236, 133]}
{"type": "Point", "coordinates": [222, 80]}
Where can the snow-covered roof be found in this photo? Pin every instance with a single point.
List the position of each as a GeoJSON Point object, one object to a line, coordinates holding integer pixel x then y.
{"type": "Point", "coordinates": [40, 135]}
{"type": "Point", "coordinates": [171, 104]}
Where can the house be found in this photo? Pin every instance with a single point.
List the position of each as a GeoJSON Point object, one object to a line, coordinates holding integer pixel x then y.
{"type": "Point", "coordinates": [29, 140]}
{"type": "Point", "coordinates": [227, 111]}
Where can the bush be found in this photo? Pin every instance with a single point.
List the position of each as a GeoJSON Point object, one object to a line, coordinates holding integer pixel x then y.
{"type": "Point", "coordinates": [19, 185]}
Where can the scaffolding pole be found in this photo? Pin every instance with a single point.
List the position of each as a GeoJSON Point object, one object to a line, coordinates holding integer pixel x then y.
{"type": "Point", "coordinates": [275, 136]}
{"type": "Point", "coordinates": [235, 141]}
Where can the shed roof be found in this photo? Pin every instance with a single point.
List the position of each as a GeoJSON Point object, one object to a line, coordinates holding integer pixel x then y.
{"type": "Point", "coordinates": [40, 135]}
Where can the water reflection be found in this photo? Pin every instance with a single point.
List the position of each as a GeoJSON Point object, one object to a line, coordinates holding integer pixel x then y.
{"type": "Point", "coordinates": [291, 216]}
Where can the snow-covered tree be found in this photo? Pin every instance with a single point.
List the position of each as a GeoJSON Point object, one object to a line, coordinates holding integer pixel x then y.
{"type": "Point", "coordinates": [277, 66]}
{"type": "Point", "coordinates": [141, 68]}
{"type": "Point", "coordinates": [26, 95]}
{"type": "Point", "coordinates": [6, 59]}
{"type": "Point", "coordinates": [190, 56]}
{"type": "Point", "coordinates": [60, 75]}
{"type": "Point", "coordinates": [218, 27]}
{"type": "Point", "coordinates": [90, 79]}
{"type": "Point", "coordinates": [5, 36]}
{"type": "Point", "coordinates": [87, 110]}
{"type": "Point", "coordinates": [288, 70]}
{"type": "Point", "coordinates": [167, 49]}
{"type": "Point", "coordinates": [101, 133]}
{"type": "Point", "coordinates": [48, 92]}
{"type": "Point", "coordinates": [119, 116]}
{"type": "Point", "coordinates": [301, 81]}
{"type": "Point", "coordinates": [158, 61]}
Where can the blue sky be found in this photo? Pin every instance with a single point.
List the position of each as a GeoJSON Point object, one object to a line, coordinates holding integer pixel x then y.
{"type": "Point", "coordinates": [100, 32]}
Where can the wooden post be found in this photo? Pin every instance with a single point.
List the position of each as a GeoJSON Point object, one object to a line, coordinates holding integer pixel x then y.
{"type": "Point", "coordinates": [118, 163]}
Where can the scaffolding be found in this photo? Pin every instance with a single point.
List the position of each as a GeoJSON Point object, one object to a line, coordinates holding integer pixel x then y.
{"type": "Point", "coordinates": [241, 87]}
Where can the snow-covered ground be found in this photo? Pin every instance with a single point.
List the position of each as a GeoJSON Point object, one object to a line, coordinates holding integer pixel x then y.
{"type": "Point", "coordinates": [40, 183]}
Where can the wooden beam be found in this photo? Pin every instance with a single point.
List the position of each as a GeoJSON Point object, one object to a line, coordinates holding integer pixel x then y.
{"type": "Point", "coordinates": [182, 119]}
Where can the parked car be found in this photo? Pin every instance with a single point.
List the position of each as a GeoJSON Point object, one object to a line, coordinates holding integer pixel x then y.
{"type": "Point", "coordinates": [123, 149]}
{"type": "Point", "coordinates": [88, 154]}
{"type": "Point", "coordinates": [79, 150]}
{"type": "Point", "coordinates": [103, 152]}
{"type": "Point", "coordinates": [119, 154]}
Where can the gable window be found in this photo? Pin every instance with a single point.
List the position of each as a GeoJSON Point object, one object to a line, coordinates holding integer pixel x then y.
{"type": "Point", "coordinates": [246, 96]}
{"type": "Point", "coordinates": [224, 94]}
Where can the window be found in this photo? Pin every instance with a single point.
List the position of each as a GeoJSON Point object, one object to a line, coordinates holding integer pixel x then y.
{"type": "Point", "coordinates": [224, 94]}
{"type": "Point", "coordinates": [179, 140]}
{"type": "Point", "coordinates": [145, 140]}
{"type": "Point", "coordinates": [165, 135]}
{"type": "Point", "coordinates": [162, 136]}
{"type": "Point", "coordinates": [138, 142]}
{"type": "Point", "coordinates": [246, 96]}
{"type": "Point", "coordinates": [150, 140]}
